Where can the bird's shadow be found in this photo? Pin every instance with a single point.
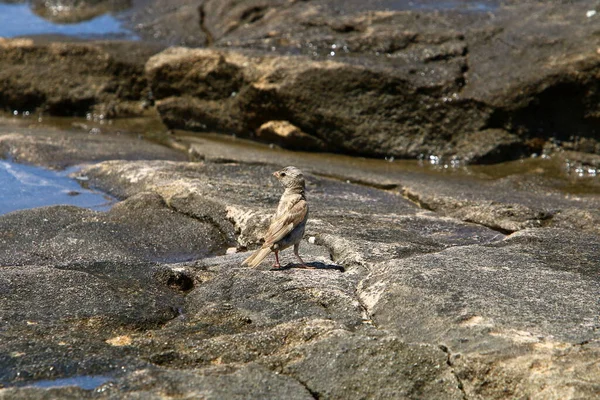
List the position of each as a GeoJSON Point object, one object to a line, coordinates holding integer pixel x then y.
{"type": "Point", "coordinates": [310, 265]}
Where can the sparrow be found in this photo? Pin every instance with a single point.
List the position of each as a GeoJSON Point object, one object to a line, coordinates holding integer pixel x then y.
{"type": "Point", "coordinates": [288, 223]}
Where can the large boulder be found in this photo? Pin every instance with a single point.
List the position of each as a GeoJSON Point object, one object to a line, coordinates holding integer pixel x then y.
{"type": "Point", "coordinates": [376, 82]}
{"type": "Point", "coordinates": [73, 79]}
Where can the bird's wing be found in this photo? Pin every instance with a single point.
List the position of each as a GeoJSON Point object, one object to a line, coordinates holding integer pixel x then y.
{"type": "Point", "coordinates": [286, 222]}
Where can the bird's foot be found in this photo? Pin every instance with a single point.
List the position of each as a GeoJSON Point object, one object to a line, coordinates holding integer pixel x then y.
{"type": "Point", "coordinates": [276, 266]}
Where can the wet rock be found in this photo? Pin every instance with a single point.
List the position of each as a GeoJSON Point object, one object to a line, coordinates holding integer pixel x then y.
{"type": "Point", "coordinates": [174, 23]}
{"type": "Point", "coordinates": [72, 11]}
{"type": "Point", "coordinates": [58, 149]}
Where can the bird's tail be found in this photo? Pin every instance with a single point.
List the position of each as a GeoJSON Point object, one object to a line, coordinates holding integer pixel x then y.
{"type": "Point", "coordinates": [257, 257]}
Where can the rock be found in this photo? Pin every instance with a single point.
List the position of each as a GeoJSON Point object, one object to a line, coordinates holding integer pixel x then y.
{"type": "Point", "coordinates": [517, 297]}
{"type": "Point", "coordinates": [240, 93]}
{"type": "Point", "coordinates": [139, 229]}
{"type": "Point", "coordinates": [341, 72]}
{"type": "Point", "coordinates": [398, 291]}
{"type": "Point", "coordinates": [59, 149]}
{"type": "Point", "coordinates": [489, 146]}
{"type": "Point", "coordinates": [68, 79]}
{"type": "Point", "coordinates": [411, 371]}
{"type": "Point", "coordinates": [173, 23]}
{"type": "Point", "coordinates": [525, 194]}
{"type": "Point", "coordinates": [73, 11]}
{"type": "Point", "coordinates": [287, 135]}
{"type": "Point", "coordinates": [422, 90]}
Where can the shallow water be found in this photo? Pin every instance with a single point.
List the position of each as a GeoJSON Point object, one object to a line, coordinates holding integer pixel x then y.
{"type": "Point", "coordinates": [26, 186]}
{"type": "Point", "coordinates": [85, 382]}
{"type": "Point", "coordinates": [19, 20]}
{"type": "Point", "coordinates": [462, 5]}
{"type": "Point", "coordinates": [552, 171]}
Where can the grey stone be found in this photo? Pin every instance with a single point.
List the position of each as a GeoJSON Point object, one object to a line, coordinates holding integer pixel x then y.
{"type": "Point", "coordinates": [59, 149]}
{"type": "Point", "coordinates": [73, 11]}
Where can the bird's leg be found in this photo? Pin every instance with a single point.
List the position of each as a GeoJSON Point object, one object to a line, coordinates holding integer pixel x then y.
{"type": "Point", "coordinates": [303, 264]}
{"type": "Point", "coordinates": [277, 265]}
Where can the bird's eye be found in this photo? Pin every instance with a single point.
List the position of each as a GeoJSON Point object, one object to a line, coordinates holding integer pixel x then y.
{"type": "Point", "coordinates": [282, 174]}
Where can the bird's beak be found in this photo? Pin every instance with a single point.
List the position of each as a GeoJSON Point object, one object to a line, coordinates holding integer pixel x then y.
{"type": "Point", "coordinates": [276, 174]}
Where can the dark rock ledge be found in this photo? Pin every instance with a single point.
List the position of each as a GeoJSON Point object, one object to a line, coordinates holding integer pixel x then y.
{"type": "Point", "coordinates": [347, 77]}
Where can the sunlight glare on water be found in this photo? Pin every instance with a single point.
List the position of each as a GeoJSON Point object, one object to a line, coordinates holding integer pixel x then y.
{"type": "Point", "coordinates": [19, 20]}
{"type": "Point", "coordinates": [26, 186]}
{"type": "Point", "coordinates": [85, 382]}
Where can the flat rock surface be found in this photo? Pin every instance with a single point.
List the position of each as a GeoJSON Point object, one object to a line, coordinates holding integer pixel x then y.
{"type": "Point", "coordinates": [149, 298]}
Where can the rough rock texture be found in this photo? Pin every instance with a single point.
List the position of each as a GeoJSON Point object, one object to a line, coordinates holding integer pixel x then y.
{"type": "Point", "coordinates": [484, 82]}
{"type": "Point", "coordinates": [67, 79]}
{"type": "Point", "coordinates": [485, 86]}
{"type": "Point", "coordinates": [428, 281]}
{"type": "Point", "coordinates": [402, 303]}
{"type": "Point", "coordinates": [174, 23]}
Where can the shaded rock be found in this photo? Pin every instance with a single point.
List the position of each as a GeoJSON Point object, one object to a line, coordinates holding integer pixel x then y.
{"type": "Point", "coordinates": [287, 135]}
{"type": "Point", "coordinates": [489, 146]}
{"type": "Point", "coordinates": [69, 79]}
{"type": "Point", "coordinates": [421, 89]}
{"type": "Point", "coordinates": [309, 94]}
{"type": "Point", "coordinates": [174, 23]}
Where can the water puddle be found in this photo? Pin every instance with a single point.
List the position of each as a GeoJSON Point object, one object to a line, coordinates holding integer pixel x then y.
{"type": "Point", "coordinates": [19, 20]}
{"type": "Point", "coordinates": [26, 186]}
{"type": "Point", "coordinates": [85, 382]}
{"type": "Point", "coordinates": [448, 5]}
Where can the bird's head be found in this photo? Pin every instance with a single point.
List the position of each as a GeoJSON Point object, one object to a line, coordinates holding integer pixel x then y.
{"type": "Point", "coordinates": [290, 177]}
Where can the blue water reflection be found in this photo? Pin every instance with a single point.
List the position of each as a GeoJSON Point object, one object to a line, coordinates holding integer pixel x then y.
{"type": "Point", "coordinates": [19, 20]}
{"type": "Point", "coordinates": [85, 382]}
{"type": "Point", "coordinates": [26, 186]}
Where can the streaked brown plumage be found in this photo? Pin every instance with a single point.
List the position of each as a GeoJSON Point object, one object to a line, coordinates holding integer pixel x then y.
{"type": "Point", "coordinates": [288, 223]}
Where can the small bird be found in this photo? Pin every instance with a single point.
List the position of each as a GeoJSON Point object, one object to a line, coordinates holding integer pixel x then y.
{"type": "Point", "coordinates": [288, 223]}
